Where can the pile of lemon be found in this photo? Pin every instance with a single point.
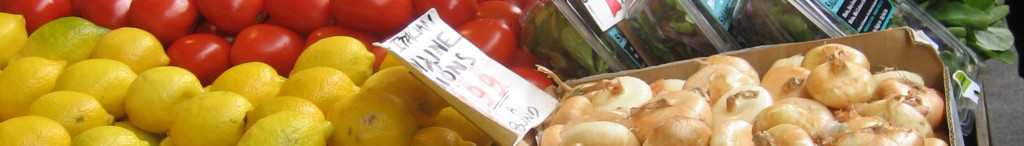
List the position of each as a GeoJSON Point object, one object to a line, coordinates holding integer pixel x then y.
{"type": "Point", "coordinates": [74, 83]}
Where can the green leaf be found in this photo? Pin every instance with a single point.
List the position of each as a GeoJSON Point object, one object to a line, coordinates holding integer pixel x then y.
{"type": "Point", "coordinates": [1005, 56]}
{"type": "Point", "coordinates": [979, 4]}
{"type": "Point", "coordinates": [958, 14]}
{"type": "Point", "coordinates": [950, 59]}
{"type": "Point", "coordinates": [959, 32]}
{"type": "Point", "coordinates": [998, 13]}
{"type": "Point", "coordinates": [995, 39]}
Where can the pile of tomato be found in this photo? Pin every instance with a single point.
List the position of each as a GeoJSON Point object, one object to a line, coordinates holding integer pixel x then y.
{"type": "Point", "coordinates": [209, 36]}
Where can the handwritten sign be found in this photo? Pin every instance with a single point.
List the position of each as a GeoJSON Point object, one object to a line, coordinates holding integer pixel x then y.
{"type": "Point", "coordinates": [500, 102]}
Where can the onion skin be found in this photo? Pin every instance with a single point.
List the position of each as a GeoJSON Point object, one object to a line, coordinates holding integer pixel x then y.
{"type": "Point", "coordinates": [739, 63]}
{"type": "Point", "coordinates": [624, 92]}
{"type": "Point", "coordinates": [700, 81]}
{"type": "Point", "coordinates": [898, 114]}
{"type": "Point", "coordinates": [599, 133]}
{"type": "Point", "coordinates": [894, 87]}
{"type": "Point", "coordinates": [839, 83]}
{"type": "Point", "coordinates": [881, 136]}
{"type": "Point", "coordinates": [825, 53]}
{"type": "Point", "coordinates": [937, 106]}
{"type": "Point", "coordinates": [680, 131]}
{"type": "Point", "coordinates": [786, 81]}
{"type": "Point", "coordinates": [785, 135]}
{"type": "Point", "coordinates": [722, 83]}
{"type": "Point", "coordinates": [552, 136]}
{"type": "Point", "coordinates": [576, 107]}
{"type": "Point", "coordinates": [621, 116]}
{"type": "Point", "coordinates": [818, 115]}
{"type": "Point", "coordinates": [934, 142]}
{"type": "Point", "coordinates": [779, 114]}
{"type": "Point", "coordinates": [796, 61]}
{"type": "Point", "coordinates": [667, 85]}
{"type": "Point", "coordinates": [666, 106]}
{"type": "Point", "coordinates": [743, 103]}
{"type": "Point", "coordinates": [899, 74]}
{"type": "Point", "coordinates": [733, 133]}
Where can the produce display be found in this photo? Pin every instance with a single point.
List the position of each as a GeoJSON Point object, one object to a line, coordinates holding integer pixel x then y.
{"type": "Point", "coordinates": [765, 22]}
{"type": "Point", "coordinates": [978, 23]}
{"type": "Point", "coordinates": [673, 30]}
{"type": "Point", "coordinates": [837, 101]}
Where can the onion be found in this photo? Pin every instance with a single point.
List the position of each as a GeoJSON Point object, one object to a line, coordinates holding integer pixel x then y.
{"type": "Point", "coordinates": [599, 133]}
{"type": "Point", "coordinates": [934, 142]}
{"type": "Point", "coordinates": [936, 106]}
{"type": "Point", "coordinates": [740, 64]}
{"type": "Point", "coordinates": [680, 131]}
{"type": "Point", "coordinates": [890, 73]}
{"type": "Point", "coordinates": [786, 81]}
{"type": "Point", "coordinates": [898, 114]}
{"type": "Point", "coordinates": [818, 116]}
{"type": "Point", "coordinates": [666, 106]}
{"type": "Point", "coordinates": [864, 139]}
{"type": "Point", "coordinates": [778, 114]}
{"type": "Point", "coordinates": [620, 115]}
{"type": "Point", "coordinates": [575, 107]}
{"type": "Point", "coordinates": [732, 133]}
{"type": "Point", "coordinates": [894, 87]}
{"type": "Point", "coordinates": [722, 83]}
{"type": "Point", "coordinates": [624, 91]}
{"type": "Point", "coordinates": [552, 136]}
{"type": "Point", "coordinates": [796, 60]}
{"type": "Point", "coordinates": [667, 85]}
{"type": "Point", "coordinates": [881, 136]}
{"type": "Point", "coordinates": [839, 83]}
{"type": "Point", "coordinates": [825, 53]}
{"type": "Point", "coordinates": [784, 135]}
{"type": "Point", "coordinates": [741, 103]}
{"type": "Point", "coordinates": [700, 81]}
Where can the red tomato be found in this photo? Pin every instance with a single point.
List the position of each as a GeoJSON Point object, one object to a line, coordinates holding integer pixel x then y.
{"type": "Point", "coordinates": [380, 17]}
{"type": "Point", "coordinates": [231, 16]}
{"type": "Point", "coordinates": [523, 58]}
{"type": "Point", "coordinates": [453, 12]}
{"type": "Point", "coordinates": [112, 14]}
{"type": "Point", "coordinates": [330, 31]}
{"type": "Point", "coordinates": [536, 77]}
{"type": "Point", "coordinates": [76, 7]}
{"type": "Point", "coordinates": [302, 16]}
{"type": "Point", "coordinates": [275, 45]}
{"type": "Point", "coordinates": [207, 27]}
{"type": "Point", "coordinates": [37, 12]}
{"type": "Point", "coordinates": [523, 4]}
{"type": "Point", "coordinates": [501, 10]}
{"type": "Point", "coordinates": [379, 54]}
{"type": "Point", "coordinates": [168, 20]}
{"type": "Point", "coordinates": [492, 37]}
{"type": "Point", "coordinates": [205, 54]}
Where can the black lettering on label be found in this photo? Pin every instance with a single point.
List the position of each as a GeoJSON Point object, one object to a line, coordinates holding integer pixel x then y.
{"type": "Point", "coordinates": [472, 61]}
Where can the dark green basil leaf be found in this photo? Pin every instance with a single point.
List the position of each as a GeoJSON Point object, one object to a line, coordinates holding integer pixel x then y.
{"type": "Point", "coordinates": [995, 14]}
{"type": "Point", "coordinates": [979, 4]}
{"type": "Point", "coordinates": [959, 32]}
{"type": "Point", "coordinates": [958, 14]}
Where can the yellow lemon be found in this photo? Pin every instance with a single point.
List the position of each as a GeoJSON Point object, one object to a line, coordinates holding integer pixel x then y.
{"type": "Point", "coordinates": [167, 141]}
{"type": "Point", "coordinates": [256, 81]}
{"type": "Point", "coordinates": [152, 139]}
{"type": "Point", "coordinates": [212, 118]}
{"type": "Point", "coordinates": [343, 53]}
{"type": "Point", "coordinates": [106, 80]}
{"type": "Point", "coordinates": [76, 111]}
{"type": "Point", "coordinates": [438, 136]}
{"type": "Point", "coordinates": [12, 36]}
{"type": "Point", "coordinates": [135, 47]}
{"type": "Point", "coordinates": [33, 130]}
{"type": "Point", "coordinates": [389, 61]}
{"type": "Point", "coordinates": [67, 38]}
{"type": "Point", "coordinates": [371, 119]}
{"type": "Point", "coordinates": [321, 85]}
{"type": "Point", "coordinates": [417, 97]}
{"type": "Point", "coordinates": [155, 97]}
{"type": "Point", "coordinates": [288, 128]}
{"type": "Point", "coordinates": [108, 135]}
{"type": "Point", "coordinates": [25, 80]}
{"type": "Point", "coordinates": [281, 104]}
{"type": "Point", "coordinates": [452, 119]}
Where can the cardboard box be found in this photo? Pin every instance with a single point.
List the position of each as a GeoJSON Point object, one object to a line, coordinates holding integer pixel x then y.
{"type": "Point", "coordinates": [894, 48]}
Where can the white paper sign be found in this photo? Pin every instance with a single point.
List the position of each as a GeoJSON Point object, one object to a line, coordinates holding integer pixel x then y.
{"type": "Point", "coordinates": [500, 102]}
{"type": "Point", "coordinates": [606, 12]}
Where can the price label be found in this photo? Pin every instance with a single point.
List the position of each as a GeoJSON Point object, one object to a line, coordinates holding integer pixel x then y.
{"type": "Point", "coordinates": [968, 88]}
{"type": "Point", "coordinates": [500, 102]}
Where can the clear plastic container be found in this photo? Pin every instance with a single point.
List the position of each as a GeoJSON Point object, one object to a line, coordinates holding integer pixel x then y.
{"type": "Point", "coordinates": [562, 41]}
{"type": "Point", "coordinates": [672, 30]}
{"type": "Point", "coordinates": [766, 22]}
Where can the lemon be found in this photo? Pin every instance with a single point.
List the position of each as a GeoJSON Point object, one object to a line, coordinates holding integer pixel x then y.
{"type": "Point", "coordinates": [67, 38]}
{"type": "Point", "coordinates": [452, 119]}
{"type": "Point", "coordinates": [256, 81]}
{"type": "Point", "coordinates": [33, 130]}
{"type": "Point", "coordinates": [155, 97]}
{"type": "Point", "coordinates": [167, 141]}
{"type": "Point", "coordinates": [344, 53]}
{"type": "Point", "coordinates": [76, 111]}
{"type": "Point", "coordinates": [281, 104]}
{"type": "Point", "coordinates": [25, 80]}
{"type": "Point", "coordinates": [212, 118]}
{"type": "Point", "coordinates": [417, 97]}
{"type": "Point", "coordinates": [438, 136]}
{"type": "Point", "coordinates": [389, 61]}
{"type": "Point", "coordinates": [108, 135]}
{"type": "Point", "coordinates": [371, 118]}
{"type": "Point", "coordinates": [321, 85]}
{"type": "Point", "coordinates": [135, 47]}
{"type": "Point", "coordinates": [106, 80]}
{"type": "Point", "coordinates": [288, 128]}
{"type": "Point", "coordinates": [152, 139]}
{"type": "Point", "coordinates": [12, 36]}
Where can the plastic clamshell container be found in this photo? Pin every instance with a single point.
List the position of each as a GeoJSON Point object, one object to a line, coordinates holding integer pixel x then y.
{"type": "Point", "coordinates": [766, 22]}
{"type": "Point", "coordinates": [562, 39]}
{"type": "Point", "coordinates": [671, 30]}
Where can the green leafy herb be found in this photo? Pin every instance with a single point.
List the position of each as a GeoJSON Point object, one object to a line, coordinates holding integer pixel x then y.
{"type": "Point", "coordinates": [995, 39]}
{"type": "Point", "coordinates": [995, 14]}
{"type": "Point", "coordinates": [979, 4]}
{"type": "Point", "coordinates": [959, 32]}
{"type": "Point", "coordinates": [958, 14]}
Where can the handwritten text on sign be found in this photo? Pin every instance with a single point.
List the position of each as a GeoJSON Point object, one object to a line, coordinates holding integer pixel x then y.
{"type": "Point", "coordinates": [452, 64]}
